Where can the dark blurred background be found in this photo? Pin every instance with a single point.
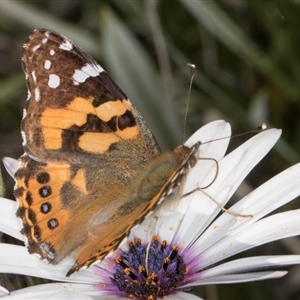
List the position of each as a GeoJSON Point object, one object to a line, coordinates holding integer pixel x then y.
{"type": "Point", "coordinates": [247, 55]}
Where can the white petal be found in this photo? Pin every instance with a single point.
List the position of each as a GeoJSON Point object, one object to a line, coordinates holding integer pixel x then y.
{"type": "Point", "coordinates": [3, 291]}
{"type": "Point", "coordinates": [9, 223]}
{"type": "Point", "coordinates": [269, 196]}
{"type": "Point", "coordinates": [57, 291]}
{"type": "Point", "coordinates": [233, 169]}
{"type": "Point", "coordinates": [276, 192]}
{"type": "Point", "coordinates": [16, 260]}
{"type": "Point", "coordinates": [238, 278]}
{"type": "Point", "coordinates": [11, 165]}
{"type": "Point", "coordinates": [250, 264]}
{"type": "Point", "coordinates": [266, 230]}
{"type": "Point", "coordinates": [215, 137]}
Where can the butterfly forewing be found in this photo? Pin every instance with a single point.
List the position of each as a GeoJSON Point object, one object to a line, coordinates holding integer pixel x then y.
{"type": "Point", "coordinates": [74, 106]}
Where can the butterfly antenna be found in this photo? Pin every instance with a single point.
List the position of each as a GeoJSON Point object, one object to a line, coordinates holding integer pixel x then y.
{"type": "Point", "coordinates": [260, 128]}
{"type": "Point", "coordinates": [193, 70]}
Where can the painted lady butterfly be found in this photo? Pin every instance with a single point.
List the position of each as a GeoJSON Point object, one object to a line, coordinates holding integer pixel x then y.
{"type": "Point", "coordinates": [92, 168]}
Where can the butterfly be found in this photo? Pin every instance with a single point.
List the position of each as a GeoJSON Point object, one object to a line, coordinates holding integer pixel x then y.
{"type": "Point", "coordinates": [91, 168]}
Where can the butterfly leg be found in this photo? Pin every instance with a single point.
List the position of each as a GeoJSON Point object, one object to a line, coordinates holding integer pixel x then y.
{"type": "Point", "coordinates": [217, 203]}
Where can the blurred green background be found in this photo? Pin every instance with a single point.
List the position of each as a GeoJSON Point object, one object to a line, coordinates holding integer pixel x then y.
{"type": "Point", "coordinates": [247, 55]}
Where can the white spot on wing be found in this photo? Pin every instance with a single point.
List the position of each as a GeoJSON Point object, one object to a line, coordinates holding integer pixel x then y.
{"type": "Point", "coordinates": [46, 248]}
{"type": "Point", "coordinates": [47, 64]}
{"type": "Point", "coordinates": [54, 81]}
{"type": "Point", "coordinates": [85, 72]}
{"type": "Point", "coordinates": [36, 47]}
{"type": "Point", "coordinates": [37, 94]}
{"type": "Point", "coordinates": [66, 45]}
{"type": "Point", "coordinates": [28, 95]}
{"type": "Point", "coordinates": [24, 143]}
{"type": "Point", "coordinates": [52, 52]}
{"type": "Point", "coordinates": [33, 76]}
{"type": "Point", "coordinates": [24, 114]}
{"type": "Point", "coordinates": [98, 68]}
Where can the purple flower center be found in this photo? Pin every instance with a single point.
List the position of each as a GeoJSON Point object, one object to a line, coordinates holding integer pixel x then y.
{"type": "Point", "coordinates": [149, 271]}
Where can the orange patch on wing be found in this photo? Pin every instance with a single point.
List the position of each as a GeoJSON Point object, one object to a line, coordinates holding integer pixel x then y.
{"type": "Point", "coordinates": [83, 105]}
{"type": "Point", "coordinates": [52, 138]}
{"type": "Point", "coordinates": [128, 133]}
{"type": "Point", "coordinates": [53, 121]}
{"type": "Point", "coordinates": [61, 171]}
{"type": "Point", "coordinates": [95, 142]}
{"type": "Point", "coordinates": [80, 181]}
{"type": "Point", "coordinates": [74, 114]}
{"type": "Point", "coordinates": [111, 109]}
{"type": "Point", "coordinates": [62, 118]}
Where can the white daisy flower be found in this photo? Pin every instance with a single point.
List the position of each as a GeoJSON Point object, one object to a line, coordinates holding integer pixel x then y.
{"type": "Point", "coordinates": [183, 243]}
